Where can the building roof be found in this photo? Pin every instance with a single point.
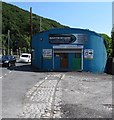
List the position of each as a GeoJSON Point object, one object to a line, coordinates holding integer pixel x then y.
{"type": "Point", "coordinates": [79, 29]}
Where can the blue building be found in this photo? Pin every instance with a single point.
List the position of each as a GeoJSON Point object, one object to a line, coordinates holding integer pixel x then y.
{"type": "Point", "coordinates": [69, 49]}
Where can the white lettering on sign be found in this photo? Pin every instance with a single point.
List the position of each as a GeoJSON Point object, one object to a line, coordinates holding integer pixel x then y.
{"type": "Point", "coordinates": [59, 38]}
{"type": "Point", "coordinates": [88, 53]}
{"type": "Point", "coordinates": [47, 53]}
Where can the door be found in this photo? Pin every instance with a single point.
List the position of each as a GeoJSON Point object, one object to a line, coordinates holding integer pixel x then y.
{"type": "Point", "coordinates": [64, 60]}
{"type": "Point", "coordinates": [77, 61]}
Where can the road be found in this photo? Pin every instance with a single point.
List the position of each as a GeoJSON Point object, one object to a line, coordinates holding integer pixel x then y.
{"type": "Point", "coordinates": [15, 83]}
{"type": "Point", "coordinates": [29, 94]}
{"type": "Point", "coordinates": [4, 71]}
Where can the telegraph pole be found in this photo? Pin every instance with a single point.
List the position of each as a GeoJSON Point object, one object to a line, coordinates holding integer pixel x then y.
{"type": "Point", "coordinates": [31, 23]}
{"type": "Point", "coordinates": [113, 38]}
{"type": "Point", "coordinates": [112, 35]}
{"type": "Point", "coordinates": [31, 33]}
{"type": "Point", "coordinates": [40, 23]}
{"type": "Point", "coordinates": [8, 41]}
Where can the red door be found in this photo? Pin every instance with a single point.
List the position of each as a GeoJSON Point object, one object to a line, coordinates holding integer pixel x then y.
{"type": "Point", "coordinates": [64, 60]}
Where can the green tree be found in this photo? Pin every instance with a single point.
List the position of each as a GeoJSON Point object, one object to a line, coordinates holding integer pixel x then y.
{"type": "Point", "coordinates": [108, 42]}
{"type": "Point", "coordinates": [112, 36]}
{"type": "Point", "coordinates": [17, 21]}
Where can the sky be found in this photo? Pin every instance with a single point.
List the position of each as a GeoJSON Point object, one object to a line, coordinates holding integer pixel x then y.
{"type": "Point", "coordinates": [95, 16]}
{"type": "Point", "coordinates": [113, 14]}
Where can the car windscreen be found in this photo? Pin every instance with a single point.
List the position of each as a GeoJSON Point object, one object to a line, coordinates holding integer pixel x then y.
{"type": "Point", "coordinates": [6, 57]}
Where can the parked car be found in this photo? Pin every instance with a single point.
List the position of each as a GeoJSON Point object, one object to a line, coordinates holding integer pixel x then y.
{"type": "Point", "coordinates": [7, 60]}
{"type": "Point", "coordinates": [25, 57]}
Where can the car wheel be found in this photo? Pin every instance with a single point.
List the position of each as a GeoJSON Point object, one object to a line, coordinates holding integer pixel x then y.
{"type": "Point", "coordinates": [13, 64]}
{"type": "Point", "coordinates": [8, 64]}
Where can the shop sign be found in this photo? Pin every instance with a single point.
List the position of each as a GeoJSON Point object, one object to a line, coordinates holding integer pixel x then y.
{"type": "Point", "coordinates": [68, 47]}
{"type": "Point", "coordinates": [61, 38]}
{"type": "Point", "coordinates": [47, 53]}
{"type": "Point", "coordinates": [88, 53]}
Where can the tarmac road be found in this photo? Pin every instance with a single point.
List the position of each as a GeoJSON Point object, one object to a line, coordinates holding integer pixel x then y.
{"type": "Point", "coordinates": [78, 94]}
{"type": "Point", "coordinates": [14, 86]}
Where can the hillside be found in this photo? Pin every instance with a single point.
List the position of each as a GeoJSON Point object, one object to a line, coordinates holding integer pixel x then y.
{"type": "Point", "coordinates": [17, 21]}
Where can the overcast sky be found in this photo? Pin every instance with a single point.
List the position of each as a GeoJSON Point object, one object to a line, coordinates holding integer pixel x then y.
{"type": "Point", "coordinates": [96, 16]}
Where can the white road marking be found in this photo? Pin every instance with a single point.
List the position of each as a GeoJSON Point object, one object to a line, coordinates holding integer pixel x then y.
{"type": "Point", "coordinates": [45, 78]}
{"type": "Point", "coordinates": [5, 74]}
{"type": "Point", "coordinates": [1, 77]}
{"type": "Point", "coordinates": [62, 76]}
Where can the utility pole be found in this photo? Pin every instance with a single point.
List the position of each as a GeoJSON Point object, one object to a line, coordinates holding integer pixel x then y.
{"type": "Point", "coordinates": [30, 24]}
{"type": "Point", "coordinates": [112, 35]}
{"type": "Point", "coordinates": [113, 39]}
{"type": "Point", "coordinates": [8, 41]}
{"type": "Point", "coordinates": [40, 23]}
{"type": "Point", "coordinates": [31, 33]}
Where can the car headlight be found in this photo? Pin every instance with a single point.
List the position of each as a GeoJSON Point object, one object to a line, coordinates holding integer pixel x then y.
{"type": "Point", "coordinates": [6, 61]}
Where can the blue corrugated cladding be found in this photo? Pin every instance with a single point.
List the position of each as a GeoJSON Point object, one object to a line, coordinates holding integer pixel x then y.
{"type": "Point", "coordinates": [39, 43]}
{"type": "Point", "coordinates": [95, 42]}
{"type": "Point", "coordinates": [98, 63]}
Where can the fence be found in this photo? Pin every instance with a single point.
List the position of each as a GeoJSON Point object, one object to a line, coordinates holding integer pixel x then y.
{"type": "Point", "coordinates": [17, 53]}
{"type": "Point", "coordinates": [110, 66]}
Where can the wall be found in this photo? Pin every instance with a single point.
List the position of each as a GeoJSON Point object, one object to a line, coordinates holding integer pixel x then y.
{"type": "Point", "coordinates": [94, 41]}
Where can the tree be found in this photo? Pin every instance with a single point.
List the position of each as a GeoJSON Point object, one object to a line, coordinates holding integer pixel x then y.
{"type": "Point", "coordinates": [112, 35]}
{"type": "Point", "coordinates": [108, 42]}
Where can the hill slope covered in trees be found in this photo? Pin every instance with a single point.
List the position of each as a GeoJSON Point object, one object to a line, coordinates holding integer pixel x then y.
{"type": "Point", "coordinates": [17, 21]}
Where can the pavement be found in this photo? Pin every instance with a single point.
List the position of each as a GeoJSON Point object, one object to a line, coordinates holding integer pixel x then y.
{"type": "Point", "coordinates": [70, 95]}
{"type": "Point", "coordinates": [87, 95]}
{"type": "Point", "coordinates": [43, 100]}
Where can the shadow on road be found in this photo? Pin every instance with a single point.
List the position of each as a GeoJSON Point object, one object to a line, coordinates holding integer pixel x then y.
{"type": "Point", "coordinates": [28, 68]}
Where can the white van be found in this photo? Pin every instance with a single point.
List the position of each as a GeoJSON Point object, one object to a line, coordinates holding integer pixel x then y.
{"type": "Point", "coordinates": [25, 57]}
